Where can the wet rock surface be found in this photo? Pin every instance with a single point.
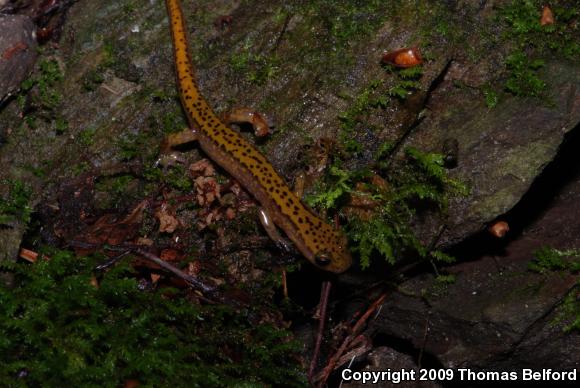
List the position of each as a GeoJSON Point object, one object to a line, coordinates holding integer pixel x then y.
{"type": "Point", "coordinates": [17, 52]}
{"type": "Point", "coordinates": [501, 150]}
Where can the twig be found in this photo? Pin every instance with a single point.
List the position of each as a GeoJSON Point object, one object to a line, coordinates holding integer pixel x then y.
{"type": "Point", "coordinates": [285, 284]}
{"type": "Point", "coordinates": [194, 282]}
{"type": "Point", "coordinates": [125, 249]}
{"type": "Point", "coordinates": [324, 294]}
{"type": "Point", "coordinates": [425, 333]}
{"type": "Point", "coordinates": [282, 32]}
{"type": "Point", "coordinates": [322, 377]}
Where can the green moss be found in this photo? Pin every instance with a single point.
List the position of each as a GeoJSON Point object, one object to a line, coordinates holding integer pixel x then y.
{"type": "Point", "coordinates": [323, 33]}
{"type": "Point", "coordinates": [116, 189]}
{"type": "Point", "coordinates": [31, 121]}
{"type": "Point", "coordinates": [140, 145]}
{"type": "Point", "coordinates": [50, 74]}
{"type": "Point", "coordinates": [86, 137]}
{"type": "Point", "coordinates": [491, 96]}
{"type": "Point", "coordinates": [58, 329]}
{"type": "Point", "coordinates": [15, 203]}
{"type": "Point", "coordinates": [173, 121]}
{"type": "Point", "coordinates": [256, 68]}
{"type": "Point", "coordinates": [523, 79]}
{"type": "Point", "coordinates": [39, 172]}
{"type": "Point", "coordinates": [369, 97]}
{"type": "Point", "coordinates": [176, 177]}
{"type": "Point", "coordinates": [419, 181]}
{"type": "Point", "coordinates": [406, 81]}
{"type": "Point", "coordinates": [92, 79]}
{"type": "Point", "coordinates": [347, 20]}
{"type": "Point", "coordinates": [446, 279]}
{"type": "Point", "coordinates": [373, 96]}
{"type": "Point", "coordinates": [45, 80]}
{"type": "Point", "coordinates": [80, 168]}
{"type": "Point", "coordinates": [60, 125]}
{"type": "Point", "coordinates": [532, 41]}
{"type": "Point", "coordinates": [523, 16]}
{"type": "Point", "coordinates": [569, 312]}
{"type": "Point", "coordinates": [339, 183]}
{"type": "Point", "coordinates": [552, 259]}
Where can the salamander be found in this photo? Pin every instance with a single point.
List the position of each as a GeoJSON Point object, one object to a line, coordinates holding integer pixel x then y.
{"type": "Point", "coordinates": [320, 243]}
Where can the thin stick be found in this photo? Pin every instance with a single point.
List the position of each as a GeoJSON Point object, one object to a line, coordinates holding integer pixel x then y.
{"type": "Point", "coordinates": [425, 333]}
{"type": "Point", "coordinates": [324, 294]}
{"type": "Point", "coordinates": [282, 31]}
{"type": "Point", "coordinates": [284, 284]}
{"type": "Point", "coordinates": [323, 376]}
{"type": "Point", "coordinates": [194, 282]}
{"type": "Point", "coordinates": [128, 248]}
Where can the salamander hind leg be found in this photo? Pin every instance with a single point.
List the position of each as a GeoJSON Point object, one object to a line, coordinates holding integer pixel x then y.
{"type": "Point", "coordinates": [168, 156]}
{"type": "Point", "coordinates": [248, 116]}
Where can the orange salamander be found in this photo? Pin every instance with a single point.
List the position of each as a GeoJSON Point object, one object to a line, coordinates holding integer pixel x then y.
{"type": "Point", "coordinates": [320, 243]}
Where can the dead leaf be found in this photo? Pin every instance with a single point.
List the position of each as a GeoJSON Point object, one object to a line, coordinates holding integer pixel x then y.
{"type": "Point", "coordinates": [202, 168]}
{"type": "Point", "coordinates": [547, 16]}
{"type": "Point", "coordinates": [28, 255]}
{"type": "Point", "coordinates": [171, 255]}
{"type": "Point", "coordinates": [207, 190]}
{"type": "Point", "coordinates": [167, 220]}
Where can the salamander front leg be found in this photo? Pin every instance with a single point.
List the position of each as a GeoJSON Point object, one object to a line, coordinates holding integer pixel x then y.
{"type": "Point", "coordinates": [248, 116]}
{"type": "Point", "coordinates": [168, 156]}
{"type": "Point", "coordinates": [299, 183]}
{"type": "Point", "coordinates": [282, 243]}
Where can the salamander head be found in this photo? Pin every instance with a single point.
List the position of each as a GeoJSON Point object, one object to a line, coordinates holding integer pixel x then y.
{"type": "Point", "coordinates": [334, 256]}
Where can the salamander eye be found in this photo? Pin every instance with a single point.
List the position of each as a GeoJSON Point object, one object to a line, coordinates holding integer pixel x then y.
{"type": "Point", "coordinates": [322, 258]}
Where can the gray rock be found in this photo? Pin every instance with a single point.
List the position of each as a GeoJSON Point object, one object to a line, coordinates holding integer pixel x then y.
{"type": "Point", "coordinates": [498, 315]}
{"type": "Point", "coordinates": [17, 52]}
{"type": "Point", "coordinates": [501, 150]}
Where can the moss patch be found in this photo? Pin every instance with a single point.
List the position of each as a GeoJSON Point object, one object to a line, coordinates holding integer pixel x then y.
{"type": "Point", "coordinates": [59, 328]}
